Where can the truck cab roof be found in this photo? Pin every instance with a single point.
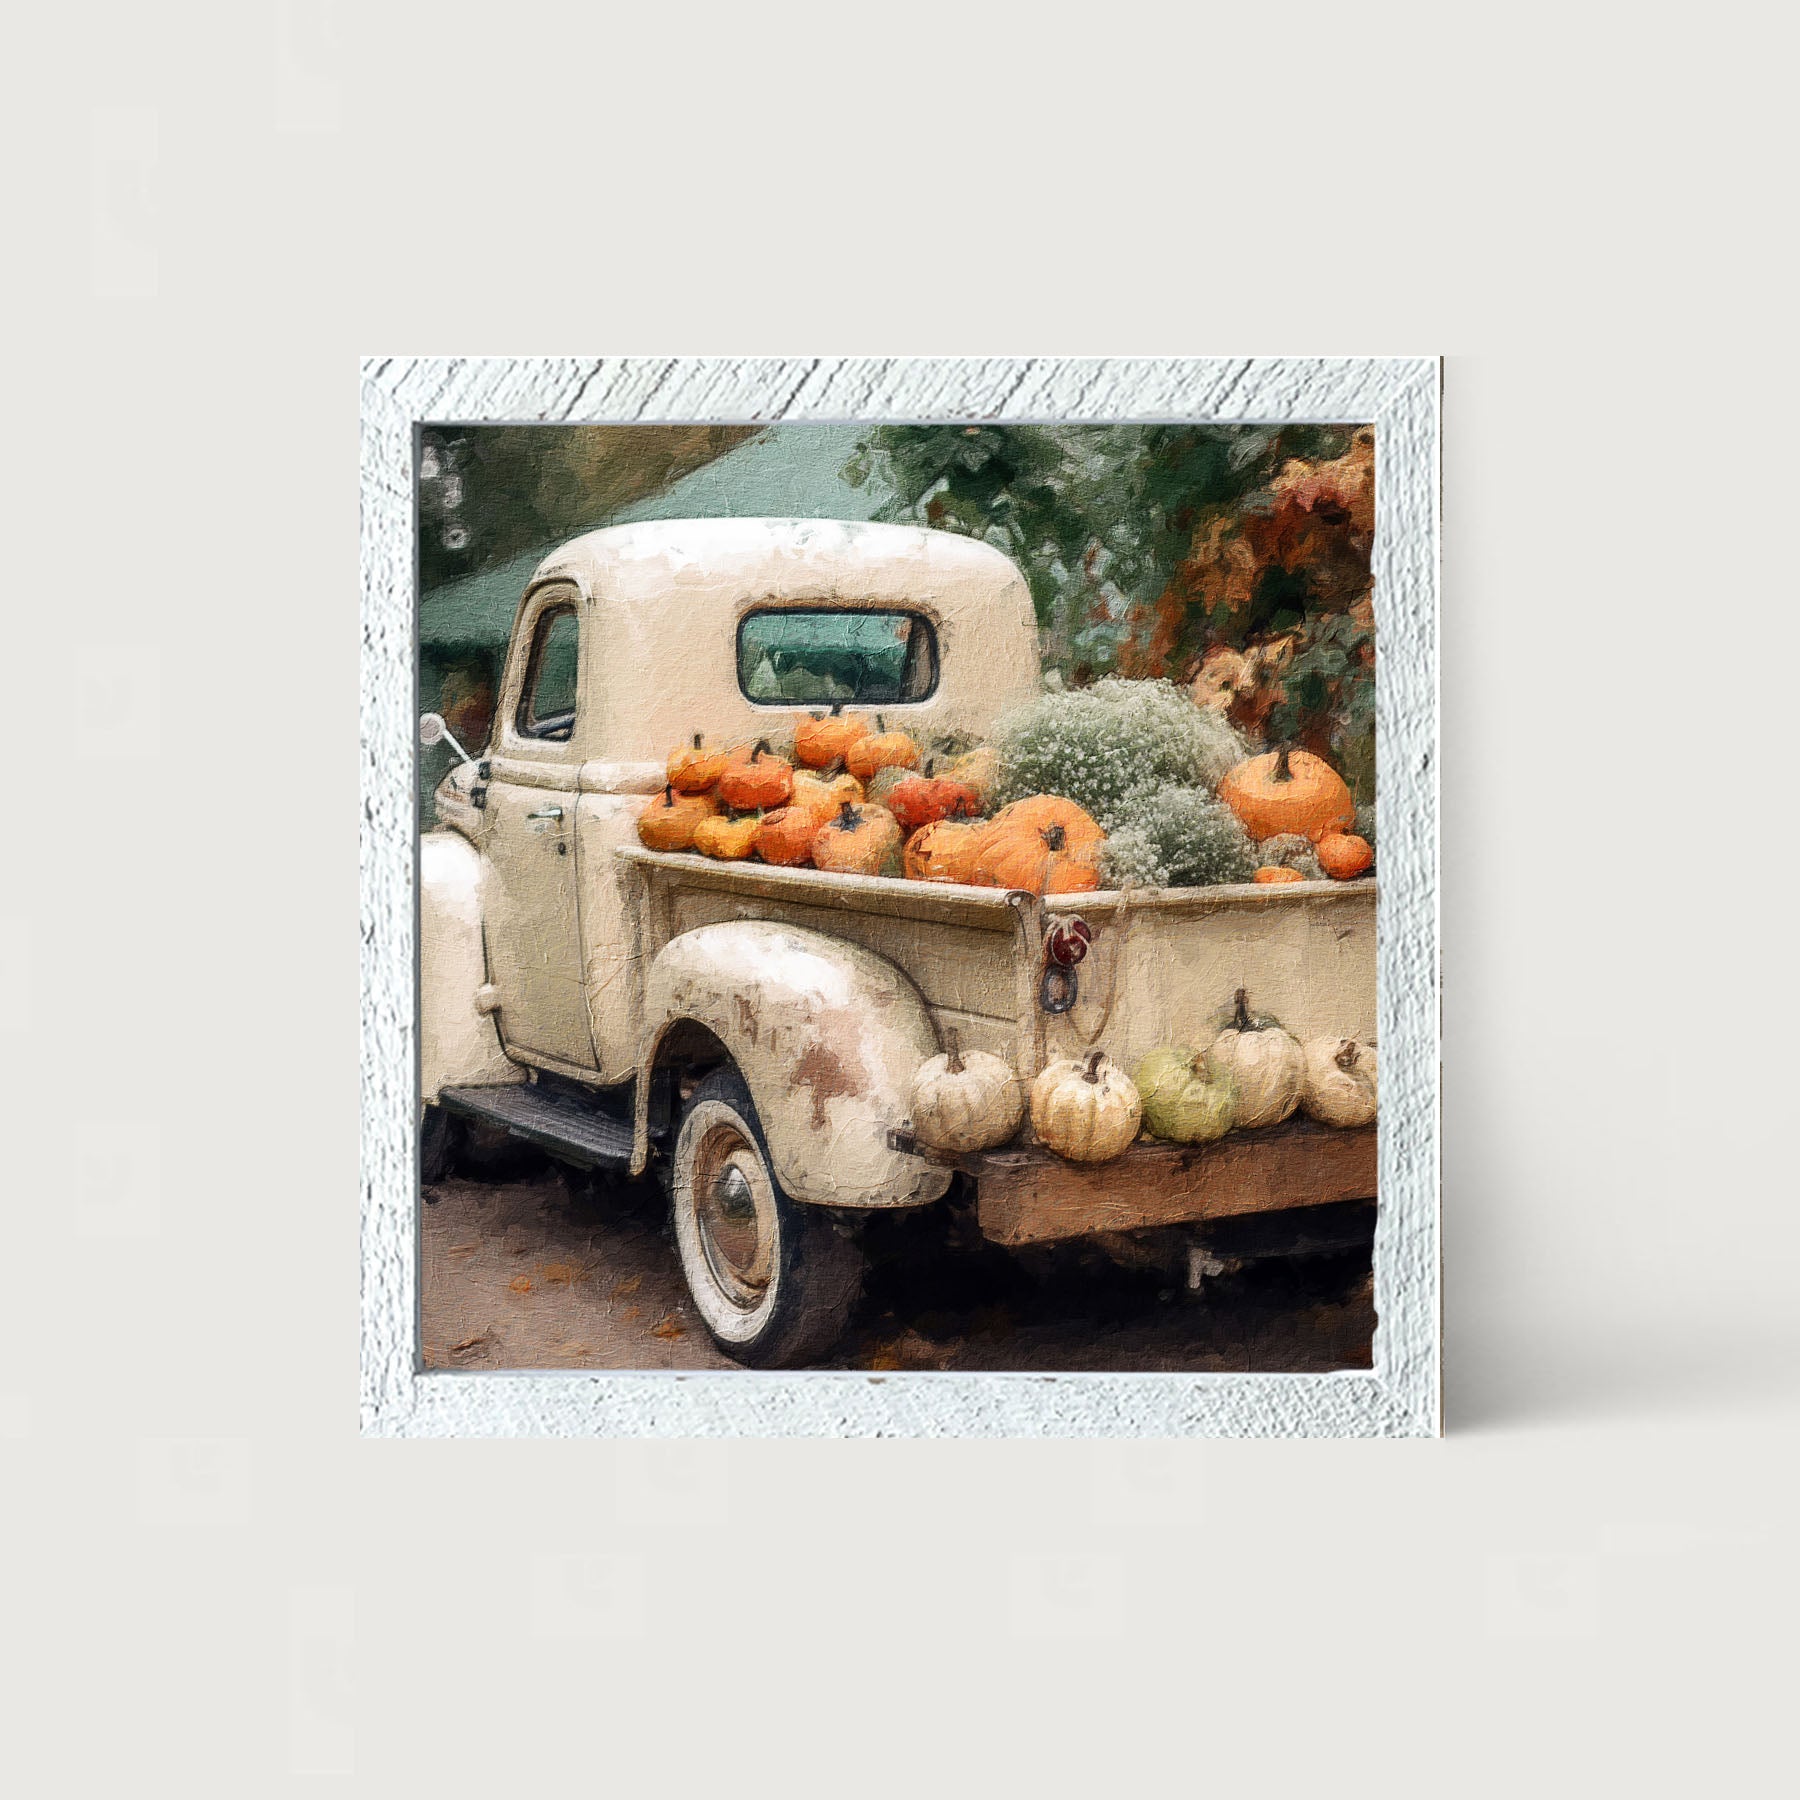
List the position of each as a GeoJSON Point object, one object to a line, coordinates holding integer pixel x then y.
{"type": "Point", "coordinates": [672, 644]}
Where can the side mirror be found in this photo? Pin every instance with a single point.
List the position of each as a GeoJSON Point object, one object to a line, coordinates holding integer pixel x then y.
{"type": "Point", "coordinates": [433, 730]}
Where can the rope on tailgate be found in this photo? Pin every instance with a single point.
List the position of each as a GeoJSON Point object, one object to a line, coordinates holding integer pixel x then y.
{"type": "Point", "coordinates": [1123, 922]}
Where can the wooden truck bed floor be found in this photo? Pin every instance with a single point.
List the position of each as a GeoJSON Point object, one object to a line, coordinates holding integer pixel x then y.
{"type": "Point", "coordinates": [1029, 1196]}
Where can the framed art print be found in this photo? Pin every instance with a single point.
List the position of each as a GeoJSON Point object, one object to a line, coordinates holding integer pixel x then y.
{"type": "Point", "coordinates": [900, 896]}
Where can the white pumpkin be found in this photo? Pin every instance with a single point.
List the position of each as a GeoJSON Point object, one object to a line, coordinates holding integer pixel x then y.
{"type": "Point", "coordinates": [1340, 1081]}
{"type": "Point", "coordinates": [1266, 1067]}
{"type": "Point", "coordinates": [1086, 1110]}
{"type": "Point", "coordinates": [965, 1100]}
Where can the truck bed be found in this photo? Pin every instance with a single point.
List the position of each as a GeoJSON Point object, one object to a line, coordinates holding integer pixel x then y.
{"type": "Point", "coordinates": [1162, 968]}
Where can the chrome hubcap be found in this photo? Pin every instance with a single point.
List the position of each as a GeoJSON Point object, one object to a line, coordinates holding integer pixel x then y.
{"type": "Point", "coordinates": [736, 1216]}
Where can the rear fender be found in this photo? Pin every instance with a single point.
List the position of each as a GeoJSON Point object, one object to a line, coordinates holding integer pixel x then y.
{"type": "Point", "coordinates": [828, 1037]}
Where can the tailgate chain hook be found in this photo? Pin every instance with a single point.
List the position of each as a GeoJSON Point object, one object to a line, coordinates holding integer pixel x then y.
{"type": "Point", "coordinates": [1057, 990]}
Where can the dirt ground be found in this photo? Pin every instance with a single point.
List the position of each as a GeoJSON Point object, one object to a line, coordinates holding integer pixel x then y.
{"type": "Point", "coordinates": [535, 1271]}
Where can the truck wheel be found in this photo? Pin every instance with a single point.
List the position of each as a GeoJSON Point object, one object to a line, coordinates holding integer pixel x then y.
{"type": "Point", "coordinates": [772, 1279]}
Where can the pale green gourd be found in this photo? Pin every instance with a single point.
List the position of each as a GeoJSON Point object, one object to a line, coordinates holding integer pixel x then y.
{"type": "Point", "coordinates": [1184, 1101]}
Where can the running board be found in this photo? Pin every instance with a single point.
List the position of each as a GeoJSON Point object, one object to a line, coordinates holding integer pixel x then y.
{"type": "Point", "coordinates": [573, 1129]}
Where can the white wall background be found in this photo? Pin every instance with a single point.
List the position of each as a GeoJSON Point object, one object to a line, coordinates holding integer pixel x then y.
{"type": "Point", "coordinates": [212, 1582]}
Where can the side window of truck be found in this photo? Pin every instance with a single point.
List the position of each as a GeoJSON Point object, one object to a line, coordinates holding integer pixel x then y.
{"type": "Point", "coordinates": [547, 701]}
{"type": "Point", "coordinates": [814, 655]}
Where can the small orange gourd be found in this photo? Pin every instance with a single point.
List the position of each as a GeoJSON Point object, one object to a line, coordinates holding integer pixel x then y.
{"type": "Point", "coordinates": [1288, 790]}
{"type": "Point", "coordinates": [861, 840]}
{"type": "Point", "coordinates": [670, 820]}
{"type": "Point", "coordinates": [882, 749]}
{"type": "Point", "coordinates": [693, 768]}
{"type": "Point", "coordinates": [824, 738]}
{"type": "Point", "coordinates": [761, 779]}
{"type": "Point", "coordinates": [1343, 856]}
{"type": "Point", "coordinates": [730, 840]}
{"type": "Point", "coordinates": [824, 791]}
{"type": "Point", "coordinates": [917, 800]}
{"type": "Point", "coordinates": [945, 851]}
{"type": "Point", "coordinates": [785, 837]}
{"type": "Point", "coordinates": [1274, 875]}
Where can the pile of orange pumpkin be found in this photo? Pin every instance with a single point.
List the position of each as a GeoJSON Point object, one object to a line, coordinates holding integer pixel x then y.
{"type": "Point", "coordinates": [858, 799]}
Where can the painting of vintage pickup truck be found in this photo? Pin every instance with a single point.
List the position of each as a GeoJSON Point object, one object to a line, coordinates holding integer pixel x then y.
{"type": "Point", "coordinates": [897, 897]}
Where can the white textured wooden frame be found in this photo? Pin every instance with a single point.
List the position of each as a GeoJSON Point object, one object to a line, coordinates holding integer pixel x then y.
{"type": "Point", "coordinates": [1399, 1396]}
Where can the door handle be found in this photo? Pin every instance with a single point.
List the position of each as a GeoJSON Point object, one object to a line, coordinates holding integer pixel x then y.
{"type": "Point", "coordinates": [546, 812]}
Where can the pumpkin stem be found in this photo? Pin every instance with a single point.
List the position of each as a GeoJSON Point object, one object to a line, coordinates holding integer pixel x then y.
{"type": "Point", "coordinates": [762, 749]}
{"type": "Point", "coordinates": [1346, 1055]}
{"type": "Point", "coordinates": [668, 794]}
{"type": "Point", "coordinates": [848, 817]}
{"type": "Point", "coordinates": [1054, 837]}
{"type": "Point", "coordinates": [953, 1050]}
{"type": "Point", "coordinates": [699, 738]}
{"type": "Point", "coordinates": [1092, 1071]}
{"type": "Point", "coordinates": [1281, 771]}
{"type": "Point", "coordinates": [837, 707]}
{"type": "Point", "coordinates": [1242, 1021]}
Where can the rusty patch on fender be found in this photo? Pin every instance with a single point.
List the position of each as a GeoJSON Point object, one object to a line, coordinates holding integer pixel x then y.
{"type": "Point", "coordinates": [830, 1075]}
{"type": "Point", "coordinates": [749, 1021]}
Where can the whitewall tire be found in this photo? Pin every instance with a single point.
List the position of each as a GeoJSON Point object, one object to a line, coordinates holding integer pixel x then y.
{"type": "Point", "coordinates": [772, 1280]}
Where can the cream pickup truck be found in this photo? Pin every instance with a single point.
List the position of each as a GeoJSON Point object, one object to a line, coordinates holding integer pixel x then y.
{"type": "Point", "coordinates": [751, 1033]}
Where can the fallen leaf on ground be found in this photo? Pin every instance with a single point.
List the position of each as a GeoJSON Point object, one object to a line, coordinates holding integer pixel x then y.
{"type": "Point", "coordinates": [917, 1351]}
{"type": "Point", "coordinates": [560, 1274]}
{"type": "Point", "coordinates": [464, 1249]}
{"type": "Point", "coordinates": [668, 1328]}
{"type": "Point", "coordinates": [520, 1284]}
{"type": "Point", "coordinates": [469, 1343]}
{"type": "Point", "coordinates": [628, 1286]}
{"type": "Point", "coordinates": [631, 1315]}
{"type": "Point", "coordinates": [883, 1356]}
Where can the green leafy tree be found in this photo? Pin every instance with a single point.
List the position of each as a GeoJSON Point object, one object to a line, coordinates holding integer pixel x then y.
{"type": "Point", "coordinates": [1233, 557]}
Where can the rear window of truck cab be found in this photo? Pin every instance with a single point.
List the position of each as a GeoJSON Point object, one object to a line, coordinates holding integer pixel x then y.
{"type": "Point", "coordinates": [817, 655]}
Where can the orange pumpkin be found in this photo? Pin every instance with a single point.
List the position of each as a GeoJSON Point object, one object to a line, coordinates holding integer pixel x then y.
{"type": "Point", "coordinates": [670, 820]}
{"type": "Point", "coordinates": [824, 738]}
{"type": "Point", "coordinates": [823, 793]}
{"type": "Point", "coordinates": [945, 851]}
{"type": "Point", "coordinates": [1343, 856]}
{"type": "Point", "coordinates": [1038, 859]}
{"type": "Point", "coordinates": [761, 779]}
{"type": "Point", "coordinates": [693, 769]}
{"type": "Point", "coordinates": [1274, 874]}
{"type": "Point", "coordinates": [861, 840]}
{"type": "Point", "coordinates": [730, 840]}
{"type": "Point", "coordinates": [917, 800]}
{"type": "Point", "coordinates": [784, 838]}
{"type": "Point", "coordinates": [1288, 790]}
{"type": "Point", "coordinates": [1081, 830]}
{"type": "Point", "coordinates": [881, 750]}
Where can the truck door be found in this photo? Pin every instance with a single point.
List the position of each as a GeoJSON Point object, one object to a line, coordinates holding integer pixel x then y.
{"type": "Point", "coordinates": [532, 914]}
